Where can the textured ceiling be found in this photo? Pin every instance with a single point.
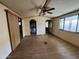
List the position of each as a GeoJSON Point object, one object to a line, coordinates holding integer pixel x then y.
{"type": "Point", "coordinates": [26, 8]}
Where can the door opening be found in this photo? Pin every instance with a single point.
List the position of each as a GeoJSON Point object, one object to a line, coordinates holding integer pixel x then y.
{"type": "Point", "coordinates": [48, 26]}
{"type": "Point", "coordinates": [20, 28]}
{"type": "Point", "coordinates": [33, 27]}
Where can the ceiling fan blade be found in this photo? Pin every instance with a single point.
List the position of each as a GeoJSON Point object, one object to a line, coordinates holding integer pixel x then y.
{"type": "Point", "coordinates": [50, 12]}
{"type": "Point", "coordinates": [44, 6]}
{"type": "Point", "coordinates": [50, 9]}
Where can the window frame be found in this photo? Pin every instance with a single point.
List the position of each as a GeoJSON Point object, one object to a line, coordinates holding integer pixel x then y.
{"type": "Point", "coordinates": [63, 23]}
{"type": "Point", "coordinates": [69, 23]}
{"type": "Point", "coordinates": [77, 24]}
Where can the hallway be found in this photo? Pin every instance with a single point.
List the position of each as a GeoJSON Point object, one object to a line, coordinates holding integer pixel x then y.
{"type": "Point", "coordinates": [44, 47]}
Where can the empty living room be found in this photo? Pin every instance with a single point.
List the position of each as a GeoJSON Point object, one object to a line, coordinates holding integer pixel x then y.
{"type": "Point", "coordinates": [39, 29]}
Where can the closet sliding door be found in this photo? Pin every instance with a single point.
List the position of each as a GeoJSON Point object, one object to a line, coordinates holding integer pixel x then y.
{"type": "Point", "coordinates": [13, 29]}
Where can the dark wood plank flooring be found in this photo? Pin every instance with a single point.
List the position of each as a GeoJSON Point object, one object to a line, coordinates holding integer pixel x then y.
{"type": "Point", "coordinates": [44, 47]}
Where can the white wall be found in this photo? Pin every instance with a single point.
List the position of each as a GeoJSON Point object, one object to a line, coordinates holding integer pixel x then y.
{"type": "Point", "coordinates": [40, 23]}
{"type": "Point", "coordinates": [5, 47]}
{"type": "Point", "coordinates": [26, 28]}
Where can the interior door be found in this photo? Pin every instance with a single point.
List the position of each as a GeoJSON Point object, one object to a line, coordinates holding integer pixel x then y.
{"type": "Point", "coordinates": [13, 29]}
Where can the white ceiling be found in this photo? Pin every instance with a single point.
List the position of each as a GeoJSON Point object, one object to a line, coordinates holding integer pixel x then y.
{"type": "Point", "coordinates": [25, 8]}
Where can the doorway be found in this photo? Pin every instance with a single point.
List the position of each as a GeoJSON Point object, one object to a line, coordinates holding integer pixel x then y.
{"type": "Point", "coordinates": [48, 26]}
{"type": "Point", "coordinates": [33, 29]}
{"type": "Point", "coordinates": [20, 28]}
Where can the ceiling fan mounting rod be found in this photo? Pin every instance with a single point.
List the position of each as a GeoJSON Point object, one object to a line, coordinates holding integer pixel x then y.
{"type": "Point", "coordinates": [44, 6]}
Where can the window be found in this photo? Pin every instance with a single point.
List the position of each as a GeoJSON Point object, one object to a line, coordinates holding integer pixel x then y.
{"type": "Point", "coordinates": [73, 23]}
{"type": "Point", "coordinates": [67, 24]}
{"type": "Point", "coordinates": [78, 27]}
{"type": "Point", "coordinates": [61, 24]}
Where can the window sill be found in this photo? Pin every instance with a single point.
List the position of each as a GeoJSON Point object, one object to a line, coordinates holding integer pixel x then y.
{"type": "Point", "coordinates": [69, 31]}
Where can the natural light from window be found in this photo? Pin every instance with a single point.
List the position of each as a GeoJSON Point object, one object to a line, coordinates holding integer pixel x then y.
{"type": "Point", "coordinates": [70, 23]}
{"type": "Point", "coordinates": [73, 24]}
{"type": "Point", "coordinates": [67, 24]}
{"type": "Point", "coordinates": [61, 24]}
{"type": "Point", "coordinates": [78, 27]}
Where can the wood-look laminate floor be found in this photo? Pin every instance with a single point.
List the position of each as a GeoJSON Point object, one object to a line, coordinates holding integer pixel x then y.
{"type": "Point", "coordinates": [44, 47]}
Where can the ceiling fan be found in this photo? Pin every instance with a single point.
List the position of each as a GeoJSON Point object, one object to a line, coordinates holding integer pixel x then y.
{"type": "Point", "coordinates": [43, 9]}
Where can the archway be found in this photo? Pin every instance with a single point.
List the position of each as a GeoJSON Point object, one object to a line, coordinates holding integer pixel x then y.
{"type": "Point", "coordinates": [33, 29]}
